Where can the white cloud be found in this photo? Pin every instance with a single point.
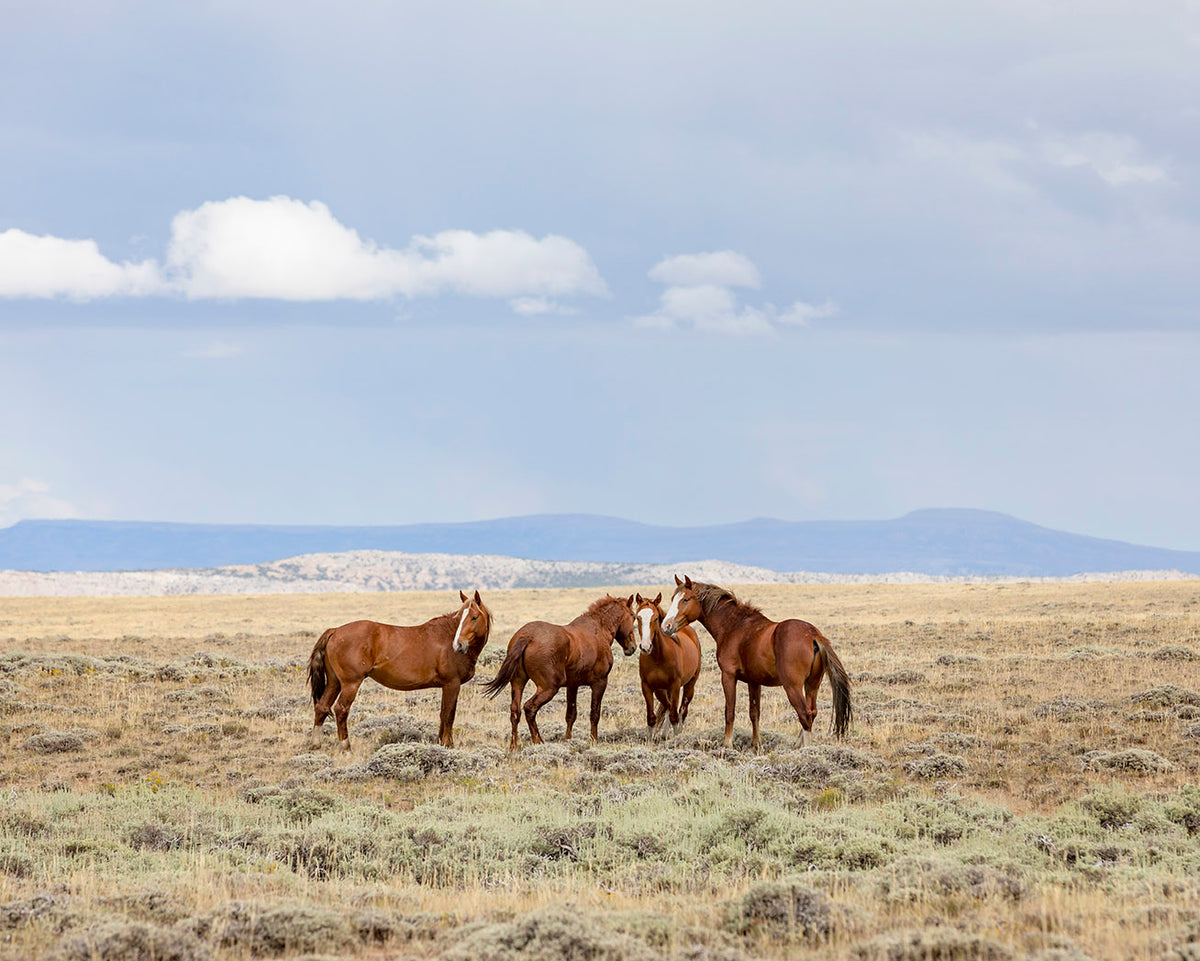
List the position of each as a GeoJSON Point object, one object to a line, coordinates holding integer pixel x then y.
{"type": "Point", "coordinates": [713, 306]}
{"type": "Point", "coordinates": [1115, 159]}
{"type": "Point", "coordinates": [800, 313]}
{"type": "Point", "coordinates": [29, 498]}
{"type": "Point", "coordinates": [286, 249]}
{"type": "Point", "coordinates": [724, 268]}
{"type": "Point", "coordinates": [33, 266]}
{"type": "Point", "coordinates": [530, 306]}
{"type": "Point", "coordinates": [216, 350]}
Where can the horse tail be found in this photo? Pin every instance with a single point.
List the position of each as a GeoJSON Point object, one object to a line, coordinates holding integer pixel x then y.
{"type": "Point", "coordinates": [512, 663]}
{"type": "Point", "coordinates": [316, 665]}
{"type": "Point", "coordinates": [839, 680]}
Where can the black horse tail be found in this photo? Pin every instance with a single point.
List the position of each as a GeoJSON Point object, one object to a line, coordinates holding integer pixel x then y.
{"type": "Point", "coordinates": [839, 680]}
{"type": "Point", "coordinates": [316, 665]}
{"type": "Point", "coordinates": [512, 662]}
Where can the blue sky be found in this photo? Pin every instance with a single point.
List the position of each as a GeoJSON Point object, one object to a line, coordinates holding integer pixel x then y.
{"type": "Point", "coordinates": [684, 263]}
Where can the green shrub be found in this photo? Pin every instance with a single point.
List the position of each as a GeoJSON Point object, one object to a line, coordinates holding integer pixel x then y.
{"type": "Point", "coordinates": [559, 933]}
{"type": "Point", "coordinates": [781, 910]}
{"type": "Point", "coordinates": [937, 944]}
{"type": "Point", "coordinates": [120, 940]}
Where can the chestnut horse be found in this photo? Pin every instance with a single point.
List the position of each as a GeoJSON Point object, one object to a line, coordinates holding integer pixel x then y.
{"type": "Point", "coordinates": [669, 665]}
{"type": "Point", "coordinates": [554, 656]}
{"type": "Point", "coordinates": [439, 653]}
{"type": "Point", "coordinates": [759, 651]}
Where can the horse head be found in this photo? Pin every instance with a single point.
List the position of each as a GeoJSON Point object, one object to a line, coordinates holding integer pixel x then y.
{"type": "Point", "coordinates": [474, 623]}
{"type": "Point", "coordinates": [647, 619]}
{"type": "Point", "coordinates": [626, 633]}
{"type": "Point", "coordinates": [685, 606]}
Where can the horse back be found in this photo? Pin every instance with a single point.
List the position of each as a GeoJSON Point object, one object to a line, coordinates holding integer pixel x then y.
{"type": "Point", "coordinates": [402, 658]}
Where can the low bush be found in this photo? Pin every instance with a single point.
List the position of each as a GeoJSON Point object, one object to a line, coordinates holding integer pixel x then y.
{"type": "Point", "coordinates": [271, 930]}
{"type": "Point", "coordinates": [937, 766]}
{"type": "Point", "coordinates": [781, 910]}
{"type": "Point", "coordinates": [559, 933]}
{"type": "Point", "coordinates": [409, 761]}
{"type": "Point", "coordinates": [53, 742]}
{"type": "Point", "coordinates": [120, 940]}
{"type": "Point", "coordinates": [937, 944]}
{"type": "Point", "coordinates": [1132, 761]}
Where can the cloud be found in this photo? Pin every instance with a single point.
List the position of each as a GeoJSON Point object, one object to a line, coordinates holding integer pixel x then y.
{"type": "Point", "coordinates": [530, 306]}
{"type": "Point", "coordinates": [800, 313]}
{"type": "Point", "coordinates": [217, 350]}
{"type": "Point", "coordinates": [29, 498]}
{"type": "Point", "coordinates": [33, 266]}
{"type": "Point", "coordinates": [724, 268]}
{"type": "Point", "coordinates": [285, 249]}
{"type": "Point", "coordinates": [712, 305]}
{"type": "Point", "coordinates": [1115, 159]}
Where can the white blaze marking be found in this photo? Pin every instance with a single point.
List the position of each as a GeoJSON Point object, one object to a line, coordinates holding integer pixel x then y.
{"type": "Point", "coordinates": [674, 608]}
{"type": "Point", "coordinates": [461, 621]}
{"type": "Point", "coordinates": [646, 641]}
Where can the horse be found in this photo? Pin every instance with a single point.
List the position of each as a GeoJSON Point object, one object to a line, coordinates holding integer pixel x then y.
{"type": "Point", "coordinates": [669, 665]}
{"type": "Point", "coordinates": [570, 656]}
{"type": "Point", "coordinates": [439, 653]}
{"type": "Point", "coordinates": [754, 649]}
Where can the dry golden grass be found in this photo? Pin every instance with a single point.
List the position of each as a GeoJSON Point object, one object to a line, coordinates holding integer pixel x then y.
{"type": "Point", "coordinates": [1019, 782]}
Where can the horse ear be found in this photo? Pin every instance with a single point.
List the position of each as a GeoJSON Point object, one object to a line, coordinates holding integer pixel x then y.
{"type": "Point", "coordinates": [638, 598]}
{"type": "Point", "coordinates": [629, 601]}
{"type": "Point", "coordinates": [678, 582]}
{"type": "Point", "coordinates": [687, 582]}
{"type": "Point", "coordinates": [463, 596]}
{"type": "Point", "coordinates": [478, 599]}
{"type": "Point", "coordinates": [658, 600]}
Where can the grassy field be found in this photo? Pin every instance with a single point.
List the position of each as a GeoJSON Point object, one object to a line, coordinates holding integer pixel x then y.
{"type": "Point", "coordinates": [1019, 782]}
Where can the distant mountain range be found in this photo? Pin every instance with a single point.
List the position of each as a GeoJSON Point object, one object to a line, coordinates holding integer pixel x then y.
{"type": "Point", "coordinates": [955, 542]}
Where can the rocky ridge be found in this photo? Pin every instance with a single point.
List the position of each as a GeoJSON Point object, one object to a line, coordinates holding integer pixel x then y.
{"type": "Point", "coordinates": [367, 571]}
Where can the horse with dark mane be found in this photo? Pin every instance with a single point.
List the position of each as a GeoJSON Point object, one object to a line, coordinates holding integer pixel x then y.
{"type": "Point", "coordinates": [570, 656]}
{"type": "Point", "coordinates": [439, 653]}
{"type": "Point", "coordinates": [669, 665]}
{"type": "Point", "coordinates": [761, 652]}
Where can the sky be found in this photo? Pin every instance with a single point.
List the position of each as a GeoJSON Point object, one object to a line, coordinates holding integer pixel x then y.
{"type": "Point", "coordinates": [684, 263]}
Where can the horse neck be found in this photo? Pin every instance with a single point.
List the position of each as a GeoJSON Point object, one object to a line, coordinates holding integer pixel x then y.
{"type": "Point", "coordinates": [608, 618]}
{"type": "Point", "coordinates": [723, 621]}
{"type": "Point", "coordinates": [443, 623]}
{"type": "Point", "coordinates": [658, 649]}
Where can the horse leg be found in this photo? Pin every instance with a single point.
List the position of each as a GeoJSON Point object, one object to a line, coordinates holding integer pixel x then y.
{"type": "Point", "coordinates": [811, 686]}
{"type": "Point", "coordinates": [449, 707]}
{"type": "Point", "coordinates": [341, 710]}
{"type": "Point", "coordinates": [729, 684]}
{"type": "Point", "coordinates": [660, 716]}
{"type": "Point", "coordinates": [324, 707]}
{"type": "Point", "coordinates": [532, 706]}
{"type": "Point", "coordinates": [597, 696]}
{"type": "Point", "coordinates": [673, 704]}
{"type": "Point", "coordinates": [688, 690]}
{"type": "Point", "coordinates": [649, 696]}
{"type": "Point", "coordinates": [572, 708]}
{"type": "Point", "coordinates": [755, 707]}
{"type": "Point", "coordinates": [514, 710]}
{"type": "Point", "coordinates": [795, 693]}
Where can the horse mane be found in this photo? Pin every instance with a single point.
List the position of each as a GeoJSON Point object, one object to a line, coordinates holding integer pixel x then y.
{"type": "Point", "coordinates": [711, 597]}
{"type": "Point", "coordinates": [601, 606]}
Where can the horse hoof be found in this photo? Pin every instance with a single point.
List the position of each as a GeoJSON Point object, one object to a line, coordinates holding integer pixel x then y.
{"type": "Point", "coordinates": [345, 745]}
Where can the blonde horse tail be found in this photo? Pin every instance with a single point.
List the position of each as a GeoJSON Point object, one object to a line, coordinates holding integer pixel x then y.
{"type": "Point", "coordinates": [512, 662]}
{"type": "Point", "coordinates": [316, 665]}
{"type": "Point", "coordinates": [839, 680]}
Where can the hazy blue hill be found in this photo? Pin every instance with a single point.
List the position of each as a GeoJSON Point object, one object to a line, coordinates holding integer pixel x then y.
{"type": "Point", "coordinates": [926, 541]}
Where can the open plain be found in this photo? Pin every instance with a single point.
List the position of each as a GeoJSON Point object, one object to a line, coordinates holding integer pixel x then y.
{"type": "Point", "coordinates": [1019, 782]}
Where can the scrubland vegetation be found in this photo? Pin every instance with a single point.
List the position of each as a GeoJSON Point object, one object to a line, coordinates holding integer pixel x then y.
{"type": "Point", "coordinates": [1020, 782]}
